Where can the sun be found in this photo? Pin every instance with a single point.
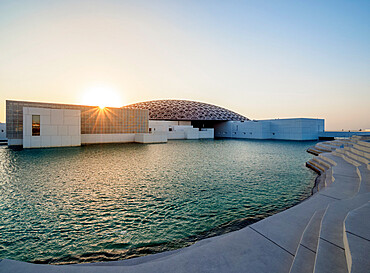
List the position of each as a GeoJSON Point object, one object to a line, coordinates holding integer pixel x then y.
{"type": "Point", "coordinates": [102, 96]}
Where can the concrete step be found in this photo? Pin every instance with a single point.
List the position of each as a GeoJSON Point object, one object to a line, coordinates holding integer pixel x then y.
{"type": "Point", "coordinates": [347, 158]}
{"type": "Point", "coordinates": [329, 177]}
{"type": "Point", "coordinates": [286, 228]}
{"type": "Point", "coordinates": [304, 260]}
{"type": "Point", "coordinates": [322, 162]}
{"type": "Point", "coordinates": [356, 162]}
{"type": "Point", "coordinates": [357, 157]}
{"type": "Point", "coordinates": [364, 174]}
{"type": "Point", "coordinates": [325, 146]}
{"type": "Point", "coordinates": [337, 143]}
{"type": "Point", "coordinates": [329, 163]}
{"type": "Point", "coordinates": [361, 147]}
{"type": "Point", "coordinates": [328, 159]}
{"type": "Point", "coordinates": [317, 150]}
{"type": "Point", "coordinates": [313, 167]}
{"type": "Point", "coordinates": [313, 151]}
{"type": "Point", "coordinates": [357, 239]}
{"type": "Point", "coordinates": [330, 256]}
{"type": "Point", "coordinates": [323, 150]}
{"type": "Point", "coordinates": [318, 165]}
{"type": "Point", "coordinates": [356, 152]}
{"type": "Point", "coordinates": [363, 143]}
{"type": "Point", "coordinates": [346, 180]}
{"type": "Point", "coordinates": [360, 152]}
{"type": "Point", "coordinates": [320, 183]}
{"type": "Point", "coordinates": [322, 167]}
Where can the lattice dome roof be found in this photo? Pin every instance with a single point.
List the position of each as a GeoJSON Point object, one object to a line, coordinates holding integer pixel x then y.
{"type": "Point", "coordinates": [186, 110]}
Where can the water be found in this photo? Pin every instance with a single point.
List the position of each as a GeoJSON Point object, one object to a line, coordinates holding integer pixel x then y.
{"type": "Point", "coordinates": [109, 202]}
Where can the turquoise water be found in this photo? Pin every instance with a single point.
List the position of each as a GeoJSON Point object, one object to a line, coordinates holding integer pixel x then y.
{"type": "Point", "coordinates": [109, 202]}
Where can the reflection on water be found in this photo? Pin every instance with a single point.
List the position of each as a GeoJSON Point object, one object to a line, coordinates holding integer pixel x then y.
{"type": "Point", "coordinates": [107, 202]}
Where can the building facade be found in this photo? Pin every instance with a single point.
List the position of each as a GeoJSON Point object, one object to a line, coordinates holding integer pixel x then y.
{"type": "Point", "coordinates": [223, 123]}
{"type": "Point", "coordinates": [280, 129]}
{"type": "Point", "coordinates": [36, 124]}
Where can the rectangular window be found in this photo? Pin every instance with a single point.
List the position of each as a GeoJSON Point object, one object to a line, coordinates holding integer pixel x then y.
{"type": "Point", "coordinates": [35, 125]}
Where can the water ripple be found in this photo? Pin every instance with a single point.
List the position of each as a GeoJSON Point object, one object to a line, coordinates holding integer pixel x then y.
{"type": "Point", "coordinates": [109, 202]}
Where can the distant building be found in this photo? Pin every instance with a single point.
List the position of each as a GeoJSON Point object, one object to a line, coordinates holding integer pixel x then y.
{"type": "Point", "coordinates": [38, 125]}
{"type": "Point", "coordinates": [175, 115]}
{"type": "Point", "coordinates": [282, 129]}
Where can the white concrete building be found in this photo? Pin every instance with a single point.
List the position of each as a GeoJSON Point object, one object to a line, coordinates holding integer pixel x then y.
{"type": "Point", "coordinates": [43, 127]}
{"type": "Point", "coordinates": [282, 129]}
{"type": "Point", "coordinates": [36, 125]}
{"type": "Point", "coordinates": [179, 130]}
{"type": "Point", "coordinates": [176, 117]}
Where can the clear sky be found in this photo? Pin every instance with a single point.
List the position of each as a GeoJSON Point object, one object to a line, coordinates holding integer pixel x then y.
{"type": "Point", "coordinates": [262, 59]}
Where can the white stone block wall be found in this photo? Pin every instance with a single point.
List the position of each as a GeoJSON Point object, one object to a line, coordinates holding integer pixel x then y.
{"type": "Point", "coordinates": [151, 138]}
{"type": "Point", "coordinates": [58, 128]}
{"type": "Point", "coordinates": [179, 129]}
{"type": "Point", "coordinates": [282, 129]}
{"type": "Point", "coordinates": [161, 125]}
{"type": "Point", "coordinates": [207, 133]}
{"type": "Point", "coordinates": [176, 135]}
{"type": "Point", "coordinates": [106, 138]}
{"type": "Point", "coordinates": [192, 133]}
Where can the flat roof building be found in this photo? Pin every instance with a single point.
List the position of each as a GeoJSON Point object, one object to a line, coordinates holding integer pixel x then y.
{"type": "Point", "coordinates": [37, 124]}
{"type": "Point", "coordinates": [226, 123]}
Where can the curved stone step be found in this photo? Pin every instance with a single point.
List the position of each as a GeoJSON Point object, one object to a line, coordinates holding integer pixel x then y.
{"type": "Point", "coordinates": [359, 158]}
{"type": "Point", "coordinates": [361, 147]}
{"type": "Point", "coordinates": [304, 260]}
{"type": "Point", "coordinates": [322, 162]}
{"type": "Point", "coordinates": [364, 174]}
{"type": "Point", "coordinates": [360, 152]}
{"type": "Point", "coordinates": [355, 160]}
{"type": "Point", "coordinates": [363, 143]}
{"type": "Point", "coordinates": [313, 167]}
{"type": "Point", "coordinates": [346, 180]}
{"type": "Point", "coordinates": [329, 177]}
{"type": "Point", "coordinates": [286, 228]}
{"type": "Point", "coordinates": [326, 147]}
{"type": "Point", "coordinates": [322, 150]}
{"type": "Point", "coordinates": [330, 256]}
{"type": "Point", "coordinates": [356, 157]}
{"type": "Point", "coordinates": [317, 164]}
{"type": "Point", "coordinates": [324, 157]}
{"type": "Point", "coordinates": [347, 158]}
{"type": "Point", "coordinates": [314, 151]}
{"type": "Point", "coordinates": [357, 239]}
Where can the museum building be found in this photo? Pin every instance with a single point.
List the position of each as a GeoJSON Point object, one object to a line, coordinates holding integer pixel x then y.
{"type": "Point", "coordinates": [38, 124]}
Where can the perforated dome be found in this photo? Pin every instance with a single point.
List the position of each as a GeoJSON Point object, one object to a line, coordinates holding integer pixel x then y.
{"type": "Point", "coordinates": [186, 110]}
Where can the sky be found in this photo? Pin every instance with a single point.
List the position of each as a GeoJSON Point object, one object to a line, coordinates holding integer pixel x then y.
{"type": "Point", "coordinates": [262, 59]}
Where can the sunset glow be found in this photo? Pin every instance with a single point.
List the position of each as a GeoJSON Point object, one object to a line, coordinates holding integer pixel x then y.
{"type": "Point", "coordinates": [102, 96]}
{"type": "Point", "coordinates": [262, 59]}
